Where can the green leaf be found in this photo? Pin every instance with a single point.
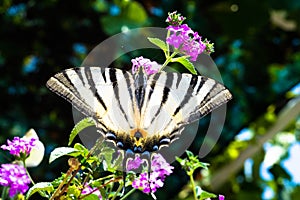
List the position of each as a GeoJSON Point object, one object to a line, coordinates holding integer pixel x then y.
{"type": "Point", "coordinates": [81, 150]}
{"type": "Point", "coordinates": [40, 187]}
{"type": "Point", "coordinates": [189, 154]}
{"type": "Point", "coordinates": [61, 151]}
{"type": "Point", "coordinates": [107, 153]}
{"type": "Point", "coordinates": [181, 161]}
{"type": "Point", "coordinates": [91, 197]}
{"type": "Point", "coordinates": [73, 191]}
{"type": "Point", "coordinates": [158, 42]}
{"type": "Point", "coordinates": [186, 63]}
{"type": "Point", "coordinates": [84, 123]}
{"type": "Point", "coordinates": [80, 147]}
{"type": "Point", "coordinates": [205, 195]}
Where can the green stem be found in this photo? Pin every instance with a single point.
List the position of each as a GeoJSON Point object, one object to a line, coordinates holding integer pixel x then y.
{"type": "Point", "coordinates": [117, 192]}
{"type": "Point", "coordinates": [42, 193]}
{"type": "Point", "coordinates": [4, 193]}
{"type": "Point", "coordinates": [105, 177]}
{"type": "Point", "coordinates": [168, 60]}
{"type": "Point", "coordinates": [193, 185]}
{"type": "Point", "coordinates": [128, 193]}
{"type": "Point", "coordinates": [167, 54]}
{"type": "Point", "coordinates": [27, 172]}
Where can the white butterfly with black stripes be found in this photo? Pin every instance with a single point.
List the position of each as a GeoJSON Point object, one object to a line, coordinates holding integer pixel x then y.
{"type": "Point", "coordinates": [139, 112]}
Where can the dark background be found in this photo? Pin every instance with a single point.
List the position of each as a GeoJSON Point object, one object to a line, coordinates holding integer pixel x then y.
{"type": "Point", "coordinates": [257, 47]}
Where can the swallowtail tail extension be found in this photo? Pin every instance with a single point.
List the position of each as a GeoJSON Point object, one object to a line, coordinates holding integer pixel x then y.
{"type": "Point", "coordinates": [139, 112]}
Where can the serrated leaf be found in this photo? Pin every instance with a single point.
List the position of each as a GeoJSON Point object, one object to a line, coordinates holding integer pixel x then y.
{"type": "Point", "coordinates": [186, 63]}
{"type": "Point", "coordinates": [158, 42]}
{"type": "Point", "coordinates": [84, 123]}
{"type": "Point", "coordinates": [40, 187]}
{"type": "Point", "coordinates": [59, 152]}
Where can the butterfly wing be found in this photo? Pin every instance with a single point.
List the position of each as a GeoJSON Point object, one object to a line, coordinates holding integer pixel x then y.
{"type": "Point", "coordinates": [111, 97]}
{"type": "Point", "coordinates": [102, 93]}
{"type": "Point", "coordinates": [173, 100]}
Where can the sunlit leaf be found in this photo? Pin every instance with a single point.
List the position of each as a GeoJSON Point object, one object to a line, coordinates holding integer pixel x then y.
{"type": "Point", "coordinates": [84, 123]}
{"type": "Point", "coordinates": [40, 187]}
{"type": "Point", "coordinates": [61, 151]}
{"type": "Point", "coordinates": [186, 63]}
{"type": "Point", "coordinates": [158, 42]}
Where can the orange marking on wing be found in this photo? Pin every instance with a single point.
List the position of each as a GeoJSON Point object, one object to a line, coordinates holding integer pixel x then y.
{"type": "Point", "coordinates": [143, 132]}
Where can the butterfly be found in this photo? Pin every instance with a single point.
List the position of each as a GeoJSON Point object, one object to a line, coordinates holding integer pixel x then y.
{"type": "Point", "coordinates": [138, 112]}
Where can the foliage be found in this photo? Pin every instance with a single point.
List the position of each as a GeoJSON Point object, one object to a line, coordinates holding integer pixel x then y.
{"type": "Point", "coordinates": [257, 52]}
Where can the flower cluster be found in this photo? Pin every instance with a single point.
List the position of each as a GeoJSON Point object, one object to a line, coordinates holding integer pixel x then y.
{"type": "Point", "coordinates": [184, 39]}
{"type": "Point", "coordinates": [149, 183]}
{"type": "Point", "coordinates": [150, 67]}
{"type": "Point", "coordinates": [15, 177]}
{"type": "Point", "coordinates": [134, 163]}
{"type": "Point", "coordinates": [174, 19]}
{"type": "Point", "coordinates": [187, 41]}
{"type": "Point", "coordinates": [19, 146]}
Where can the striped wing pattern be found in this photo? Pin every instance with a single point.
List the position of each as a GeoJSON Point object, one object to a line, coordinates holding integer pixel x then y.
{"type": "Point", "coordinates": [150, 113]}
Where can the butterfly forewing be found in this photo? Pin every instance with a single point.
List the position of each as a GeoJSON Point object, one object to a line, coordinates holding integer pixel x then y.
{"type": "Point", "coordinates": [179, 100]}
{"type": "Point", "coordinates": [93, 91]}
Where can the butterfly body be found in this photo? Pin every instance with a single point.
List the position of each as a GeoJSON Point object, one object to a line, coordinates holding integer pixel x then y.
{"type": "Point", "coordinates": [139, 112]}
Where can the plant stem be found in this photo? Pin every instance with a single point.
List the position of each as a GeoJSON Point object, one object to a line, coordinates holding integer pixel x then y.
{"type": "Point", "coordinates": [128, 193]}
{"type": "Point", "coordinates": [167, 54]}
{"type": "Point", "coordinates": [117, 192]}
{"type": "Point", "coordinates": [4, 193]}
{"type": "Point", "coordinates": [27, 172]}
{"type": "Point", "coordinates": [168, 60]}
{"type": "Point", "coordinates": [193, 185]}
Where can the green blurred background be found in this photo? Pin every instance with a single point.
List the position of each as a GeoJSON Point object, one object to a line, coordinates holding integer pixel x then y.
{"type": "Point", "coordinates": [257, 46]}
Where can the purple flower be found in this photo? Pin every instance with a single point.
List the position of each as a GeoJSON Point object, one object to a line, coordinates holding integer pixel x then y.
{"type": "Point", "coordinates": [15, 177]}
{"type": "Point", "coordinates": [19, 146]}
{"type": "Point", "coordinates": [149, 66]}
{"type": "Point", "coordinates": [134, 163]}
{"type": "Point", "coordinates": [187, 41]}
{"type": "Point", "coordinates": [149, 183]}
{"type": "Point", "coordinates": [174, 19]}
{"type": "Point", "coordinates": [88, 190]}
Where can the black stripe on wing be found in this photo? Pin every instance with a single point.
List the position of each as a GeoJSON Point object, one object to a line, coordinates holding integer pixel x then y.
{"type": "Point", "coordinates": [88, 79]}
{"type": "Point", "coordinates": [217, 96]}
{"type": "Point", "coordinates": [63, 86]}
{"type": "Point", "coordinates": [197, 97]}
{"type": "Point", "coordinates": [92, 85]}
{"type": "Point", "coordinates": [210, 94]}
{"type": "Point", "coordinates": [165, 95]}
{"type": "Point", "coordinates": [117, 92]}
